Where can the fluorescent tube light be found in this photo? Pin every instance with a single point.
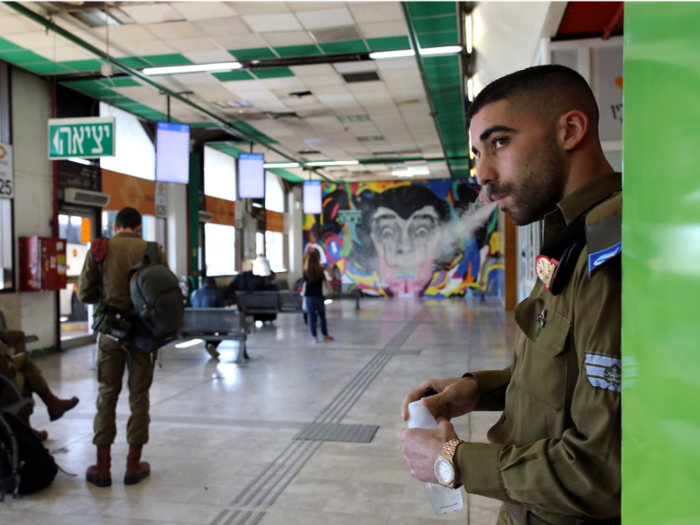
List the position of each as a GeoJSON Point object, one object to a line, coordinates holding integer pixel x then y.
{"type": "Point", "coordinates": [426, 51]}
{"type": "Point", "coordinates": [334, 163]}
{"type": "Point", "coordinates": [189, 343]}
{"type": "Point", "coordinates": [80, 161]}
{"type": "Point", "coordinates": [257, 205]}
{"type": "Point", "coordinates": [194, 68]}
{"type": "Point", "coordinates": [470, 89]}
{"type": "Point", "coordinates": [410, 172]}
{"type": "Point", "coordinates": [282, 165]}
{"type": "Point", "coordinates": [468, 38]}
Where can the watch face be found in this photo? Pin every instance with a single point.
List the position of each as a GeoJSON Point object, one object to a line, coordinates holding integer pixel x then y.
{"type": "Point", "coordinates": [444, 471]}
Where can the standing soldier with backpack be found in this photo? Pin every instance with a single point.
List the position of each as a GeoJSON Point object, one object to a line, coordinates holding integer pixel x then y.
{"type": "Point", "coordinates": [109, 278]}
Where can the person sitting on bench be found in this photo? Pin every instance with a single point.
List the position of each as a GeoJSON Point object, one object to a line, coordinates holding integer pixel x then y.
{"type": "Point", "coordinates": [209, 296]}
{"type": "Point", "coordinates": [21, 370]}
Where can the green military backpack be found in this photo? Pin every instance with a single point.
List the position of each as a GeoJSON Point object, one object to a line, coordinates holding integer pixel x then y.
{"type": "Point", "coordinates": [158, 302]}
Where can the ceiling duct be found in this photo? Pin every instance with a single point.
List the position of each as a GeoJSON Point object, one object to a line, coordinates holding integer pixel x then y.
{"type": "Point", "coordinates": [368, 76]}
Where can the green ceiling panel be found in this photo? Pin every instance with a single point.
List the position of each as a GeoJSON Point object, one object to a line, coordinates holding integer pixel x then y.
{"type": "Point", "coordinates": [389, 43]}
{"type": "Point", "coordinates": [201, 124]}
{"type": "Point", "coordinates": [430, 9]}
{"type": "Point", "coordinates": [5, 45]}
{"type": "Point", "coordinates": [435, 24]}
{"type": "Point", "coordinates": [351, 46]}
{"type": "Point", "coordinates": [273, 72]}
{"type": "Point", "coordinates": [168, 60]}
{"type": "Point", "coordinates": [22, 57]}
{"type": "Point", "coordinates": [92, 88]}
{"type": "Point", "coordinates": [446, 38]}
{"type": "Point", "coordinates": [234, 75]}
{"type": "Point", "coordinates": [135, 62]}
{"type": "Point", "coordinates": [258, 53]}
{"type": "Point", "coordinates": [83, 65]}
{"type": "Point", "coordinates": [48, 68]}
{"type": "Point", "coordinates": [298, 51]}
{"type": "Point", "coordinates": [123, 82]}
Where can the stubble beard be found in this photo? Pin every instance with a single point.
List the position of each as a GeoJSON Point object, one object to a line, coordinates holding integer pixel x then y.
{"type": "Point", "coordinates": [538, 190]}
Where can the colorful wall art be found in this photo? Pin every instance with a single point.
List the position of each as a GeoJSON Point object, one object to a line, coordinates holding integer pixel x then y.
{"type": "Point", "coordinates": [406, 239]}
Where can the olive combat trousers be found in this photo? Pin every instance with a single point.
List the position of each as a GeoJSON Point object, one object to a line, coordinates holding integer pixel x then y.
{"type": "Point", "coordinates": [15, 337]}
{"type": "Point", "coordinates": [26, 377]}
{"type": "Point", "coordinates": [111, 363]}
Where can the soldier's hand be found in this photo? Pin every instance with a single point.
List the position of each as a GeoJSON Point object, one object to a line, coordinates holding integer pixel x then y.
{"type": "Point", "coordinates": [421, 447]}
{"type": "Point", "coordinates": [455, 397]}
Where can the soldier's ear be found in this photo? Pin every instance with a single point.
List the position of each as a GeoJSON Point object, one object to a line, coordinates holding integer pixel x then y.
{"type": "Point", "coordinates": [572, 128]}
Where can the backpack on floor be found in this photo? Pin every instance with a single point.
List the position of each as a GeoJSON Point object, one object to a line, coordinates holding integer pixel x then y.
{"type": "Point", "coordinates": [25, 465]}
{"type": "Point", "coordinates": [159, 306]}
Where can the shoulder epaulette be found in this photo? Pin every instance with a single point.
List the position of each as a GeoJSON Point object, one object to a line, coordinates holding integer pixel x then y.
{"type": "Point", "coordinates": [604, 232]}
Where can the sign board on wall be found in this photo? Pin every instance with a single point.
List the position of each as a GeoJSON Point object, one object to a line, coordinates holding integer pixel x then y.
{"type": "Point", "coordinates": [275, 221]}
{"type": "Point", "coordinates": [7, 186]}
{"type": "Point", "coordinates": [125, 190]}
{"type": "Point", "coordinates": [74, 175]}
{"type": "Point", "coordinates": [87, 138]}
{"type": "Point", "coordinates": [161, 200]}
{"type": "Point", "coordinates": [223, 211]}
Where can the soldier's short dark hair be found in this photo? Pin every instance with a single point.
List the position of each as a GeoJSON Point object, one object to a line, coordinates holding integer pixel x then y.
{"type": "Point", "coordinates": [210, 282]}
{"type": "Point", "coordinates": [546, 91]}
{"type": "Point", "coordinates": [128, 218]}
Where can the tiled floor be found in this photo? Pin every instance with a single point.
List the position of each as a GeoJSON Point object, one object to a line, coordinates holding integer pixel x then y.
{"type": "Point", "coordinates": [217, 425]}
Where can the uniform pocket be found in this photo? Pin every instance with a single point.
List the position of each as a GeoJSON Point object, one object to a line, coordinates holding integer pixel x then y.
{"type": "Point", "coordinates": [543, 362]}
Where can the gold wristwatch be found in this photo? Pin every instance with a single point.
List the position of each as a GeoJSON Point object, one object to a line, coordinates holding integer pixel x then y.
{"type": "Point", "coordinates": [444, 464]}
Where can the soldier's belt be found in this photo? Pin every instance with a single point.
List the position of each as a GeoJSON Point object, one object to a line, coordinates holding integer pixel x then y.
{"type": "Point", "coordinates": [526, 517]}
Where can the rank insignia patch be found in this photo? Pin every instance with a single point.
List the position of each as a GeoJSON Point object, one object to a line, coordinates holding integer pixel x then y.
{"type": "Point", "coordinates": [545, 268]}
{"type": "Point", "coordinates": [598, 258]}
{"type": "Point", "coordinates": [604, 371]}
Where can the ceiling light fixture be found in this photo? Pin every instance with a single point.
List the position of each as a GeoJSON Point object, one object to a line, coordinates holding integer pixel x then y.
{"type": "Point", "coordinates": [404, 173]}
{"type": "Point", "coordinates": [194, 68]}
{"type": "Point", "coordinates": [80, 161]}
{"type": "Point", "coordinates": [334, 163]}
{"type": "Point", "coordinates": [468, 38]}
{"type": "Point", "coordinates": [282, 165]}
{"type": "Point", "coordinates": [426, 51]}
{"type": "Point", "coordinates": [470, 89]}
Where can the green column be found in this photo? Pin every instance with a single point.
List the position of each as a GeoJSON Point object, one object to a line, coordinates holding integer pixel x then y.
{"type": "Point", "coordinates": [661, 265]}
{"type": "Point", "coordinates": [193, 205]}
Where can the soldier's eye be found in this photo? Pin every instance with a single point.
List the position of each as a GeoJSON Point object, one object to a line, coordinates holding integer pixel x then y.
{"type": "Point", "coordinates": [499, 142]}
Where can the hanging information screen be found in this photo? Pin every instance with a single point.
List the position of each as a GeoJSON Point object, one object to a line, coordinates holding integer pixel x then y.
{"type": "Point", "coordinates": [173, 153]}
{"type": "Point", "coordinates": [312, 197]}
{"type": "Point", "coordinates": [251, 176]}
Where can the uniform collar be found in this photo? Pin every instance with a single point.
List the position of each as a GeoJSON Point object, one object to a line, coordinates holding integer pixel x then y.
{"type": "Point", "coordinates": [127, 234]}
{"type": "Point", "coordinates": [574, 205]}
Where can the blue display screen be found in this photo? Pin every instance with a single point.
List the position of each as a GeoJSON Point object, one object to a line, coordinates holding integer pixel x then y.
{"type": "Point", "coordinates": [173, 152]}
{"type": "Point", "coordinates": [312, 197]}
{"type": "Point", "coordinates": [251, 176]}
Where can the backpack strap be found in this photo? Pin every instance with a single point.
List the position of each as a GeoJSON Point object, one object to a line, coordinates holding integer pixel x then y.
{"type": "Point", "coordinates": [98, 253]}
{"type": "Point", "coordinates": [14, 458]}
{"type": "Point", "coordinates": [150, 257]}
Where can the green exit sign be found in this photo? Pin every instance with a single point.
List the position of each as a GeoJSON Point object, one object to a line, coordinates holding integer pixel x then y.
{"type": "Point", "coordinates": [350, 217]}
{"type": "Point", "coordinates": [87, 138]}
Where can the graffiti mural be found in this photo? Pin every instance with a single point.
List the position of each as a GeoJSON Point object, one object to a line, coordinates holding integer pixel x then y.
{"type": "Point", "coordinates": [402, 239]}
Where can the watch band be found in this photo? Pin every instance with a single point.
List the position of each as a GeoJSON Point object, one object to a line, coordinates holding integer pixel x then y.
{"type": "Point", "coordinates": [451, 446]}
{"type": "Point", "coordinates": [447, 454]}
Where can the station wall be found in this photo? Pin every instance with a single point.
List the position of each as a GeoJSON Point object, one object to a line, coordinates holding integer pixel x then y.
{"type": "Point", "coordinates": [413, 239]}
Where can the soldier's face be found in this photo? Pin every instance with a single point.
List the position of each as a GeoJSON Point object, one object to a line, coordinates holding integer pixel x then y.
{"type": "Point", "coordinates": [519, 162]}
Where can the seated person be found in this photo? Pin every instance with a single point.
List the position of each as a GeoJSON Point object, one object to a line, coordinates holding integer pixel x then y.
{"type": "Point", "coordinates": [209, 296]}
{"type": "Point", "coordinates": [14, 337]}
{"type": "Point", "coordinates": [28, 379]}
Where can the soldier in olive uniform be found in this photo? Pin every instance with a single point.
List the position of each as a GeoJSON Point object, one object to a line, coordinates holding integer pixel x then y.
{"type": "Point", "coordinates": [554, 455]}
{"type": "Point", "coordinates": [124, 250]}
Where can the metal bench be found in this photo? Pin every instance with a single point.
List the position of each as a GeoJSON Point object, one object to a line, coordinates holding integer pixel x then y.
{"type": "Point", "coordinates": [216, 324]}
{"type": "Point", "coordinates": [290, 302]}
{"type": "Point", "coordinates": [18, 402]}
{"type": "Point", "coordinates": [3, 326]}
{"type": "Point", "coordinates": [268, 302]}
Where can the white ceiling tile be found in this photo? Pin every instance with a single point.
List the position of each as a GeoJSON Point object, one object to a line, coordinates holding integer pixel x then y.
{"type": "Point", "coordinates": [270, 23]}
{"type": "Point", "coordinates": [259, 8]}
{"type": "Point", "coordinates": [312, 71]}
{"type": "Point", "coordinates": [209, 57]}
{"type": "Point", "coordinates": [39, 40]}
{"type": "Point", "coordinates": [203, 10]}
{"type": "Point", "coordinates": [232, 25]}
{"type": "Point", "coordinates": [152, 13]}
{"type": "Point", "coordinates": [367, 87]}
{"type": "Point", "coordinates": [355, 67]}
{"type": "Point", "coordinates": [124, 34]}
{"type": "Point", "coordinates": [397, 63]}
{"type": "Point", "coordinates": [152, 47]}
{"type": "Point", "coordinates": [196, 79]}
{"type": "Point", "coordinates": [330, 90]}
{"type": "Point", "coordinates": [282, 83]}
{"type": "Point", "coordinates": [175, 30]}
{"type": "Point", "coordinates": [65, 54]}
{"type": "Point", "coordinates": [377, 12]}
{"type": "Point", "coordinates": [249, 41]}
{"type": "Point", "coordinates": [288, 38]}
{"type": "Point", "coordinates": [184, 45]}
{"type": "Point", "coordinates": [15, 25]}
{"type": "Point", "coordinates": [300, 7]}
{"type": "Point", "coordinates": [214, 92]}
{"type": "Point", "coordinates": [304, 102]}
{"type": "Point", "coordinates": [333, 98]}
{"type": "Point", "coordinates": [383, 29]}
{"type": "Point", "coordinates": [244, 85]}
{"type": "Point", "coordinates": [402, 75]}
{"type": "Point", "coordinates": [326, 18]}
{"type": "Point", "coordinates": [314, 83]}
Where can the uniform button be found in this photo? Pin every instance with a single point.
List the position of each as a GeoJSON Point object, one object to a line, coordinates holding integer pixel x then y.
{"type": "Point", "coordinates": [503, 419]}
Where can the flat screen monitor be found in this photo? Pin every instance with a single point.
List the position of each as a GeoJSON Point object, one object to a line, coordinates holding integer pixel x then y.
{"type": "Point", "coordinates": [312, 197]}
{"type": "Point", "coordinates": [173, 152]}
{"type": "Point", "coordinates": [251, 176]}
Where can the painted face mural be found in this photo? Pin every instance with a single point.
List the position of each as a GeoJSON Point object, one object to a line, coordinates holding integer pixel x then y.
{"type": "Point", "coordinates": [398, 239]}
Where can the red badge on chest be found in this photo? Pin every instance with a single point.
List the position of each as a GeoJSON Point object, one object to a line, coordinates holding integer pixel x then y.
{"type": "Point", "coordinates": [545, 268]}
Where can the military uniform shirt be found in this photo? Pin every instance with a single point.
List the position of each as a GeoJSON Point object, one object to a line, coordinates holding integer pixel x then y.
{"type": "Point", "coordinates": [124, 251]}
{"type": "Point", "coordinates": [556, 448]}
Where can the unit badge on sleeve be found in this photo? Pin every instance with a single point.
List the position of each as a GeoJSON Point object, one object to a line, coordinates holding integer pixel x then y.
{"type": "Point", "coordinates": [545, 268]}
